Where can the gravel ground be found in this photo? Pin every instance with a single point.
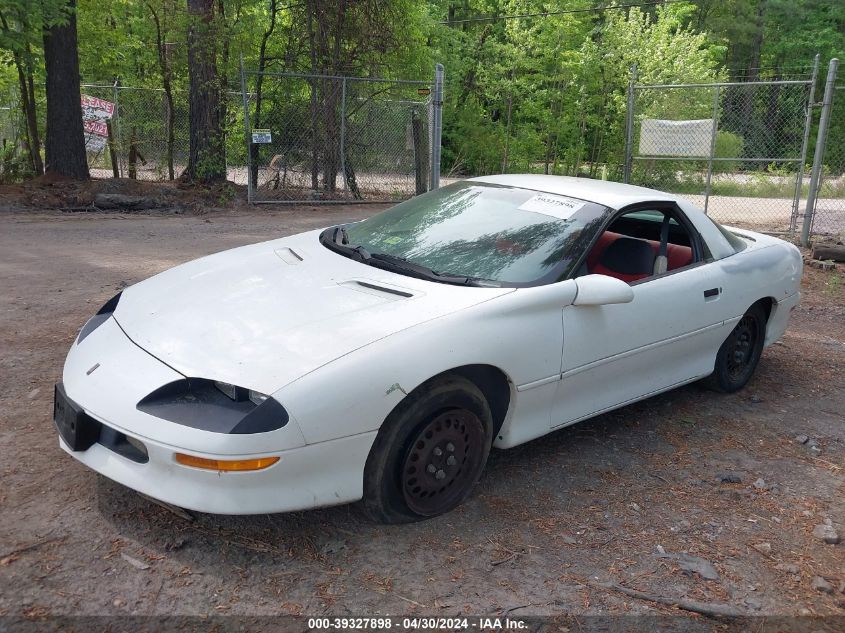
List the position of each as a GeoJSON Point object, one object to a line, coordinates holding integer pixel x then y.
{"type": "Point", "coordinates": [690, 495]}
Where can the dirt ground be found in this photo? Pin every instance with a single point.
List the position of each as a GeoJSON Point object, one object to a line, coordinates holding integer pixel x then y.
{"type": "Point", "coordinates": [625, 498]}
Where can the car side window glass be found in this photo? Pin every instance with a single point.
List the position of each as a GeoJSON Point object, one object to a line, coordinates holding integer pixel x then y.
{"type": "Point", "coordinates": [630, 247]}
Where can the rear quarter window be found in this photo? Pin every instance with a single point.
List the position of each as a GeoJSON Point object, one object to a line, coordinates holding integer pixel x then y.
{"type": "Point", "coordinates": [738, 243]}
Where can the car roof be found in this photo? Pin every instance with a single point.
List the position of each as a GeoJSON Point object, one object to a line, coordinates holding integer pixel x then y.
{"type": "Point", "coordinates": [610, 194]}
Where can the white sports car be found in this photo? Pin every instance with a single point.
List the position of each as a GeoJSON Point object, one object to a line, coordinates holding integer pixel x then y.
{"type": "Point", "coordinates": [382, 359]}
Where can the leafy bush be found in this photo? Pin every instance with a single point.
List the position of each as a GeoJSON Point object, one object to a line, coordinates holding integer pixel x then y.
{"type": "Point", "coordinates": [14, 165]}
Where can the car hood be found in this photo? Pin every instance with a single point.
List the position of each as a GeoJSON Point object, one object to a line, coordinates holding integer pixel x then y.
{"type": "Point", "coordinates": [261, 316]}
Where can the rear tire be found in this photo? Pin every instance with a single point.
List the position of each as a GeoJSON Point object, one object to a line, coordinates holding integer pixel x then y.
{"type": "Point", "coordinates": [429, 453]}
{"type": "Point", "coordinates": [739, 354]}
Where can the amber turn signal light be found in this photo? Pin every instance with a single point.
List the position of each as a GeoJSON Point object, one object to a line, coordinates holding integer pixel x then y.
{"type": "Point", "coordinates": [225, 464]}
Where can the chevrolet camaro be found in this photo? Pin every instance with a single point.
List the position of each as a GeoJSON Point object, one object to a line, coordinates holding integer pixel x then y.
{"type": "Point", "coordinates": [382, 360]}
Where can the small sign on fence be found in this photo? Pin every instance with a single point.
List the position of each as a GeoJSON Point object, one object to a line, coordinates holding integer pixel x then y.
{"type": "Point", "coordinates": [95, 113]}
{"type": "Point", "coordinates": [262, 136]}
{"type": "Point", "coordinates": [676, 138]}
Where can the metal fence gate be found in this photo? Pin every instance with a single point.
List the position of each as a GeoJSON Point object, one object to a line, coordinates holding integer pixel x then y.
{"type": "Point", "coordinates": [321, 139]}
{"type": "Point", "coordinates": [737, 150]}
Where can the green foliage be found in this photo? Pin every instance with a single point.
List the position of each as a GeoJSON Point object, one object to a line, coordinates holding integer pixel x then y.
{"type": "Point", "coordinates": [538, 94]}
{"type": "Point", "coordinates": [14, 166]}
{"type": "Point", "coordinates": [728, 145]}
{"type": "Point", "coordinates": [563, 80]}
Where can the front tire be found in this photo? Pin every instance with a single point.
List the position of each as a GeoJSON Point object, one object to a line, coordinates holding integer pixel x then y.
{"type": "Point", "coordinates": [429, 453]}
{"type": "Point", "coordinates": [739, 354]}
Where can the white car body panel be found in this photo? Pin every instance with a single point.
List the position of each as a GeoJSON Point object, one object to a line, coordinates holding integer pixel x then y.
{"type": "Point", "coordinates": [520, 333]}
{"type": "Point", "coordinates": [286, 319]}
{"type": "Point", "coordinates": [638, 346]}
{"type": "Point", "coordinates": [339, 344]}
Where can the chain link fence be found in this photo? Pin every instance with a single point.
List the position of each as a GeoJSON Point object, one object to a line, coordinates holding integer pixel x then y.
{"type": "Point", "coordinates": [829, 216]}
{"type": "Point", "coordinates": [737, 150]}
{"type": "Point", "coordinates": [9, 138]}
{"type": "Point", "coordinates": [14, 157]}
{"type": "Point", "coordinates": [741, 150]}
{"type": "Point", "coordinates": [149, 139]}
{"type": "Point", "coordinates": [146, 138]}
{"type": "Point", "coordinates": [335, 139]}
{"type": "Point", "coordinates": [135, 134]}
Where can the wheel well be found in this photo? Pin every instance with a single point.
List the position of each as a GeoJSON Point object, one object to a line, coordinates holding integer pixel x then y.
{"type": "Point", "coordinates": [495, 386]}
{"type": "Point", "coordinates": [493, 383]}
{"type": "Point", "coordinates": [766, 303]}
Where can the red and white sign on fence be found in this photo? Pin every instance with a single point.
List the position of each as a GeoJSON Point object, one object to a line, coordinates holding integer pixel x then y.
{"type": "Point", "coordinates": [94, 108]}
{"type": "Point", "coordinates": [95, 113]}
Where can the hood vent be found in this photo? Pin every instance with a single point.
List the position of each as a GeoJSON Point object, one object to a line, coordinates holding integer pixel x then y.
{"type": "Point", "coordinates": [392, 291]}
{"type": "Point", "coordinates": [378, 289]}
{"type": "Point", "coordinates": [289, 256]}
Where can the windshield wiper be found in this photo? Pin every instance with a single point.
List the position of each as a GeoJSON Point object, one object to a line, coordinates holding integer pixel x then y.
{"type": "Point", "coordinates": [340, 232]}
{"type": "Point", "coordinates": [419, 270]}
{"type": "Point", "coordinates": [338, 240]}
{"type": "Point", "coordinates": [341, 238]}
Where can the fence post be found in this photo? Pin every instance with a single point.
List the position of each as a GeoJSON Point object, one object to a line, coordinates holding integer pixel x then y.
{"type": "Point", "coordinates": [116, 117]}
{"type": "Point", "coordinates": [629, 126]}
{"type": "Point", "coordinates": [437, 102]}
{"type": "Point", "coordinates": [821, 139]}
{"type": "Point", "coordinates": [247, 133]}
{"type": "Point", "coordinates": [712, 148]}
{"type": "Point", "coordinates": [808, 123]}
{"type": "Point", "coordinates": [343, 133]}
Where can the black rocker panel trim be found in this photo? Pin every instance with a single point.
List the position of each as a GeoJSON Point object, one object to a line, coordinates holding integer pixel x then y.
{"type": "Point", "coordinates": [197, 403]}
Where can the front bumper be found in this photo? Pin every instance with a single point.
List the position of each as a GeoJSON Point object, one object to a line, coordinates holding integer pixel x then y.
{"type": "Point", "coordinates": [324, 474]}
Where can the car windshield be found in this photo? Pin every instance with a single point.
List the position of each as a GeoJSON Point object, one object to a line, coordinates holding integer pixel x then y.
{"type": "Point", "coordinates": [480, 231]}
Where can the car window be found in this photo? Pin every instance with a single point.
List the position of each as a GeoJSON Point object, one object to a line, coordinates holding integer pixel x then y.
{"type": "Point", "coordinates": [508, 235]}
{"type": "Point", "coordinates": [738, 242]}
{"type": "Point", "coordinates": [630, 248]}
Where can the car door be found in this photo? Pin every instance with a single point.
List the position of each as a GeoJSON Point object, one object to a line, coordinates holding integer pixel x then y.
{"type": "Point", "coordinates": [615, 354]}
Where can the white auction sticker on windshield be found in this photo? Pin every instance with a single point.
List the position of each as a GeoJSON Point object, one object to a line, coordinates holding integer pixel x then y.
{"type": "Point", "coordinates": [549, 204]}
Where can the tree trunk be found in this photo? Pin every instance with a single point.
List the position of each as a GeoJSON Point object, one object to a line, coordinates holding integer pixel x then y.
{"type": "Point", "coordinates": [259, 86]}
{"type": "Point", "coordinates": [312, 49]}
{"type": "Point", "coordinates": [133, 155]}
{"type": "Point", "coordinates": [32, 113]}
{"type": "Point", "coordinates": [115, 166]}
{"type": "Point", "coordinates": [33, 145]}
{"type": "Point", "coordinates": [224, 78]}
{"type": "Point", "coordinates": [65, 145]}
{"type": "Point", "coordinates": [206, 162]}
{"type": "Point", "coordinates": [332, 112]}
{"type": "Point", "coordinates": [23, 65]}
{"type": "Point", "coordinates": [331, 145]}
{"type": "Point", "coordinates": [746, 97]}
{"type": "Point", "coordinates": [166, 75]}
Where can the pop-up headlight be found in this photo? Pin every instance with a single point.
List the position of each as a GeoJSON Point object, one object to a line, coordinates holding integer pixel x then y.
{"type": "Point", "coordinates": [215, 406]}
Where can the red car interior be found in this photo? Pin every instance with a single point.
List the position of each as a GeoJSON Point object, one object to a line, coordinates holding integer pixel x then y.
{"type": "Point", "coordinates": [628, 259]}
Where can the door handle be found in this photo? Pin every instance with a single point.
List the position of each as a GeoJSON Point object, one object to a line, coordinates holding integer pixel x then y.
{"type": "Point", "coordinates": [712, 292]}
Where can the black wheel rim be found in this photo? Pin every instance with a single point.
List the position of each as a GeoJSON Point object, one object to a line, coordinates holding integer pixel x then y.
{"type": "Point", "coordinates": [740, 353]}
{"type": "Point", "coordinates": [442, 462]}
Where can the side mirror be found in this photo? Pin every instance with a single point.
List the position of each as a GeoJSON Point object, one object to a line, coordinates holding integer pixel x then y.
{"type": "Point", "coordinates": [599, 290]}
